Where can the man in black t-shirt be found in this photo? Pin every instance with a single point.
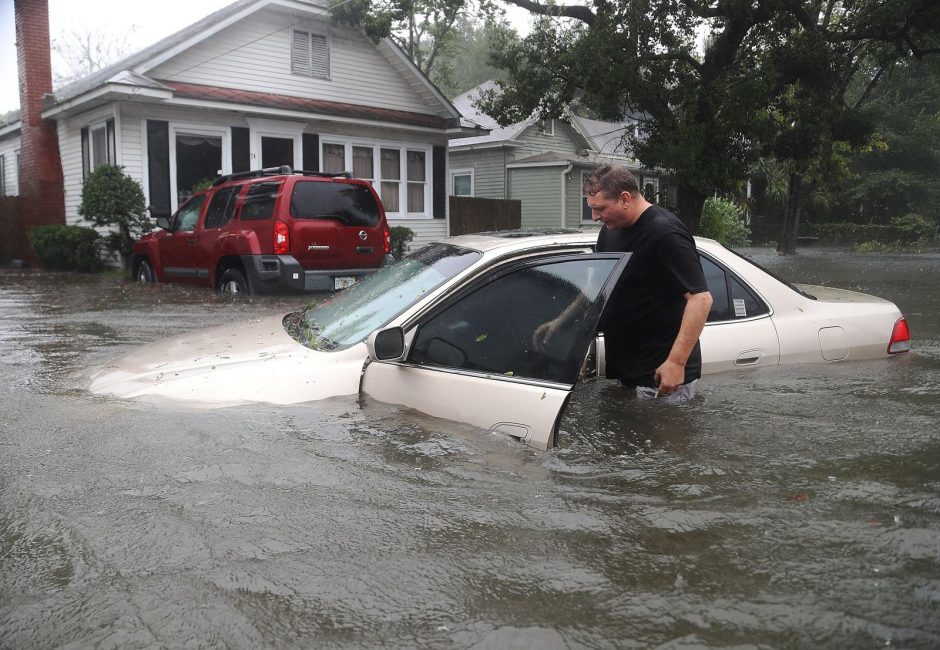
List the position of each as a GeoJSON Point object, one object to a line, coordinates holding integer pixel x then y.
{"type": "Point", "coordinates": [659, 307]}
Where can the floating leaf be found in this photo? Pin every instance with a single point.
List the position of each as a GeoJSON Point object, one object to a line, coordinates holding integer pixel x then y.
{"type": "Point", "coordinates": [481, 337]}
{"type": "Point", "coordinates": [508, 373]}
{"type": "Point", "coordinates": [544, 395]}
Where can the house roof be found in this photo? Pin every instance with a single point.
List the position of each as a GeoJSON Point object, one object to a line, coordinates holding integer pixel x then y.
{"type": "Point", "coordinates": [606, 138]}
{"type": "Point", "coordinates": [132, 70]}
{"type": "Point", "coordinates": [473, 117]}
{"type": "Point", "coordinates": [235, 96]}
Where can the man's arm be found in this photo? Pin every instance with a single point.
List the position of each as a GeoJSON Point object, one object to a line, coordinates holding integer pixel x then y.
{"type": "Point", "coordinates": [671, 373]}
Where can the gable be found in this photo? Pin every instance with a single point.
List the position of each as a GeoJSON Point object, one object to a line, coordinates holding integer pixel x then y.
{"type": "Point", "coordinates": [255, 54]}
{"type": "Point", "coordinates": [561, 139]}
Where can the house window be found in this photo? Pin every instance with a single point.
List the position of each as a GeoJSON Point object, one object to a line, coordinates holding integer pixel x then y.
{"type": "Point", "coordinates": [97, 146]}
{"type": "Point", "coordinates": [461, 182]}
{"type": "Point", "coordinates": [585, 208]}
{"type": "Point", "coordinates": [310, 54]}
{"type": "Point", "coordinates": [198, 162]}
{"type": "Point", "coordinates": [334, 158]}
{"type": "Point", "coordinates": [650, 188]}
{"type": "Point", "coordinates": [401, 174]}
{"type": "Point", "coordinates": [547, 127]}
{"type": "Point", "coordinates": [417, 180]}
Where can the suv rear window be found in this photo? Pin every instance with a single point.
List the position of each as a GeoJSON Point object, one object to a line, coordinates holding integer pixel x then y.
{"type": "Point", "coordinates": [352, 204]}
{"type": "Point", "coordinates": [259, 202]}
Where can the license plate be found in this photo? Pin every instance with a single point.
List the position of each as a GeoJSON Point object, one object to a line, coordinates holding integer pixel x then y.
{"type": "Point", "coordinates": [343, 282]}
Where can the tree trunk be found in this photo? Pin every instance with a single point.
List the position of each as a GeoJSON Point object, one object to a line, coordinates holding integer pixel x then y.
{"type": "Point", "coordinates": [791, 217]}
{"type": "Point", "coordinates": [689, 204]}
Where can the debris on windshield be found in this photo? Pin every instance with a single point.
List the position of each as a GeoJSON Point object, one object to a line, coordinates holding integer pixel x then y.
{"type": "Point", "coordinates": [481, 337]}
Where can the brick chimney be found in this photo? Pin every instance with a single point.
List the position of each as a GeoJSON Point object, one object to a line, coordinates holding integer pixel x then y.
{"type": "Point", "coordinates": [40, 174]}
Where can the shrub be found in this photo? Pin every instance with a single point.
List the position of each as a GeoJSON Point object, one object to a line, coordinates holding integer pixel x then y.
{"type": "Point", "coordinates": [724, 221]}
{"type": "Point", "coordinates": [400, 236]}
{"type": "Point", "coordinates": [111, 198]}
{"type": "Point", "coordinates": [913, 228]}
{"type": "Point", "coordinates": [67, 248]}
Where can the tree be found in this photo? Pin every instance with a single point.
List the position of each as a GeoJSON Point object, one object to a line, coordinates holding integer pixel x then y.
{"type": "Point", "coordinates": [424, 29]}
{"type": "Point", "coordinates": [709, 115]}
{"type": "Point", "coordinates": [112, 199]}
{"type": "Point", "coordinates": [80, 53]}
{"type": "Point", "coordinates": [465, 62]}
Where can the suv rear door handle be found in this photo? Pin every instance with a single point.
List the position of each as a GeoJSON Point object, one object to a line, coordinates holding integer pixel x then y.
{"type": "Point", "coordinates": [191, 241]}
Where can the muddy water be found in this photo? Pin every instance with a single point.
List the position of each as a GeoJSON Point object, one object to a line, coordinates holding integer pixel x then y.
{"type": "Point", "coordinates": [790, 507]}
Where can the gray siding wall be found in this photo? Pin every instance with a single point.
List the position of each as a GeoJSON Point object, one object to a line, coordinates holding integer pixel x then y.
{"type": "Point", "coordinates": [489, 170]}
{"type": "Point", "coordinates": [533, 142]}
{"type": "Point", "coordinates": [254, 54]}
{"type": "Point", "coordinates": [539, 190]}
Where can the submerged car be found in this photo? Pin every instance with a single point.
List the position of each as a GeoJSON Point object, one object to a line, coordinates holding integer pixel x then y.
{"type": "Point", "coordinates": [449, 331]}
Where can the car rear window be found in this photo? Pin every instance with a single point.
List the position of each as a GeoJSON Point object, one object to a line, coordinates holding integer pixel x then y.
{"type": "Point", "coordinates": [259, 202]}
{"type": "Point", "coordinates": [350, 203]}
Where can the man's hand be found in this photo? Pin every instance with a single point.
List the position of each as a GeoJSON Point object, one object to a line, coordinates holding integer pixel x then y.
{"type": "Point", "coordinates": [669, 376]}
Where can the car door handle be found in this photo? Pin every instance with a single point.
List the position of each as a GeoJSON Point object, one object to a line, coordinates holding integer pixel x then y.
{"type": "Point", "coordinates": [749, 357]}
{"type": "Point", "coordinates": [191, 241]}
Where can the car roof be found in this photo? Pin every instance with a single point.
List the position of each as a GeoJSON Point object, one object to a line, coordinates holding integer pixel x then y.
{"type": "Point", "coordinates": [525, 239]}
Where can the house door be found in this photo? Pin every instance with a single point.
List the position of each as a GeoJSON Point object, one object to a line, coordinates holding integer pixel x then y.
{"type": "Point", "coordinates": [277, 151]}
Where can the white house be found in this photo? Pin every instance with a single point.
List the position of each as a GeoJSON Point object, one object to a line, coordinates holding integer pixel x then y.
{"type": "Point", "coordinates": [257, 84]}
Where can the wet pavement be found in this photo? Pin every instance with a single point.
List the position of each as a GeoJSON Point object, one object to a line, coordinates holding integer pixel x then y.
{"type": "Point", "coordinates": [788, 507]}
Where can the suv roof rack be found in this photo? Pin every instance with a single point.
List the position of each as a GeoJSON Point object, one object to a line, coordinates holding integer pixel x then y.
{"type": "Point", "coordinates": [281, 170]}
{"type": "Point", "coordinates": [254, 173]}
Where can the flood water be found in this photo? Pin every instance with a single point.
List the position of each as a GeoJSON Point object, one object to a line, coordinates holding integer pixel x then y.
{"type": "Point", "coordinates": [786, 508]}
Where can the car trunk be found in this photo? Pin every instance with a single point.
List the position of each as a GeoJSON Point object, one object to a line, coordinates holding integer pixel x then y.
{"type": "Point", "coordinates": [336, 224]}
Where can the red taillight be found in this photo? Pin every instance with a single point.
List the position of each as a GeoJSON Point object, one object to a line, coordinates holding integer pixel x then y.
{"type": "Point", "coordinates": [388, 240]}
{"type": "Point", "coordinates": [900, 338]}
{"type": "Point", "coordinates": [281, 238]}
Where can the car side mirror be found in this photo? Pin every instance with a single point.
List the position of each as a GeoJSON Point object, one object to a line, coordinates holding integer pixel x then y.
{"type": "Point", "coordinates": [163, 222]}
{"type": "Point", "coordinates": [386, 345]}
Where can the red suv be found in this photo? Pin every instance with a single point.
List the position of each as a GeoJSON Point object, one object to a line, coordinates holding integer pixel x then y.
{"type": "Point", "coordinates": [269, 229]}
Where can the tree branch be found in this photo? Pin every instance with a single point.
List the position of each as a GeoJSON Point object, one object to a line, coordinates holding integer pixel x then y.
{"type": "Point", "coordinates": [583, 14]}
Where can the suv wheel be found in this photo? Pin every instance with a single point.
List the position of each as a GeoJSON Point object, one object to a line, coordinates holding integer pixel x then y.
{"type": "Point", "coordinates": [234, 281]}
{"type": "Point", "coordinates": [145, 274]}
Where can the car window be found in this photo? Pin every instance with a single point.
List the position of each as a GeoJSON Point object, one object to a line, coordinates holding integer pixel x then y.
{"type": "Point", "coordinates": [351, 315]}
{"type": "Point", "coordinates": [221, 207]}
{"type": "Point", "coordinates": [493, 328]}
{"type": "Point", "coordinates": [731, 300]}
{"type": "Point", "coordinates": [259, 201]}
{"type": "Point", "coordinates": [349, 203]}
{"type": "Point", "coordinates": [187, 216]}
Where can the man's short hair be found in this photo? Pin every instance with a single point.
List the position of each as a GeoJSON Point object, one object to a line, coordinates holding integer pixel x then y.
{"type": "Point", "coordinates": [611, 180]}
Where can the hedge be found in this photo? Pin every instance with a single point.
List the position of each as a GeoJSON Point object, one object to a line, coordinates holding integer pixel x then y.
{"type": "Point", "coordinates": [67, 248]}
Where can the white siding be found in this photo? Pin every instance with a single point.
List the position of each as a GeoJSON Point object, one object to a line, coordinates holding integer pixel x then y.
{"type": "Point", "coordinates": [533, 143]}
{"type": "Point", "coordinates": [426, 230]}
{"type": "Point", "coordinates": [70, 152]}
{"type": "Point", "coordinates": [255, 54]}
{"type": "Point", "coordinates": [8, 148]}
{"type": "Point", "coordinates": [539, 190]}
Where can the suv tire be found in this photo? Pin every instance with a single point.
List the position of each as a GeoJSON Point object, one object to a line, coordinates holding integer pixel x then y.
{"type": "Point", "coordinates": [145, 274]}
{"type": "Point", "coordinates": [234, 281]}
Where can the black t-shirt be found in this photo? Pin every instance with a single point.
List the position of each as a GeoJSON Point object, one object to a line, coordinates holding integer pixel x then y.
{"type": "Point", "coordinates": [645, 313]}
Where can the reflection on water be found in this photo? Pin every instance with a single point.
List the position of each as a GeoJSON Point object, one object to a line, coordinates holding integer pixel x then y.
{"type": "Point", "coordinates": [787, 507]}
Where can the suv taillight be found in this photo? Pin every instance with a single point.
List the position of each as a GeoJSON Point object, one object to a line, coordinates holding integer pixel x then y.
{"type": "Point", "coordinates": [900, 338]}
{"type": "Point", "coordinates": [388, 239]}
{"type": "Point", "coordinates": [281, 238]}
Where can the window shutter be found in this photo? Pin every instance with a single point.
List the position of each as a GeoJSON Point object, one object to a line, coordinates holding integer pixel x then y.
{"type": "Point", "coordinates": [311, 151]}
{"type": "Point", "coordinates": [300, 53]}
{"type": "Point", "coordinates": [438, 157]}
{"type": "Point", "coordinates": [112, 149]}
{"type": "Point", "coordinates": [319, 56]}
{"type": "Point", "coordinates": [241, 149]}
{"type": "Point", "coordinates": [86, 164]}
{"type": "Point", "coordinates": [158, 166]}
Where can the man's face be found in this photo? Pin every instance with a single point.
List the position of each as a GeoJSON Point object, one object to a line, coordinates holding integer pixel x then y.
{"type": "Point", "coordinates": [614, 212]}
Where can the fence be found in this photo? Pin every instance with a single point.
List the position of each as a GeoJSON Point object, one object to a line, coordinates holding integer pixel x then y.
{"type": "Point", "coordinates": [12, 239]}
{"type": "Point", "coordinates": [471, 214]}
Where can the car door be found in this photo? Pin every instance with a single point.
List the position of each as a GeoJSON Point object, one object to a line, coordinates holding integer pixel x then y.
{"type": "Point", "coordinates": [475, 357]}
{"type": "Point", "coordinates": [178, 249]}
{"type": "Point", "coordinates": [209, 231]}
{"type": "Point", "coordinates": [740, 332]}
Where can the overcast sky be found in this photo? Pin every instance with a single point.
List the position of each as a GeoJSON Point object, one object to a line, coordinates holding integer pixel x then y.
{"type": "Point", "coordinates": [148, 22]}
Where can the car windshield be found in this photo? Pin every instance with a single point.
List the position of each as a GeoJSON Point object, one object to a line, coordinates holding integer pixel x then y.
{"type": "Point", "coordinates": [351, 315]}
